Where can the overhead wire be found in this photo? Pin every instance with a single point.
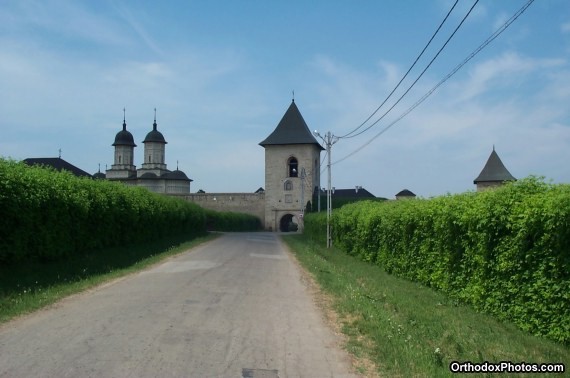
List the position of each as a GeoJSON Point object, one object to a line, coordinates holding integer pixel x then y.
{"type": "Point", "coordinates": [490, 39]}
{"type": "Point", "coordinates": [419, 76]}
{"type": "Point", "coordinates": [406, 74]}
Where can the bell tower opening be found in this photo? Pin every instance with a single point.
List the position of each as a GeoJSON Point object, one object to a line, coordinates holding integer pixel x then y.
{"type": "Point", "coordinates": [293, 166]}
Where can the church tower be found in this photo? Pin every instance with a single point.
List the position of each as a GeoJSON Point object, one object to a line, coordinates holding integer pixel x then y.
{"type": "Point", "coordinates": [154, 152]}
{"type": "Point", "coordinates": [123, 167]}
{"type": "Point", "coordinates": [292, 170]}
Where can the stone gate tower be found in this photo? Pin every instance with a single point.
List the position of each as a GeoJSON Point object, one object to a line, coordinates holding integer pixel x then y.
{"type": "Point", "coordinates": [292, 170]}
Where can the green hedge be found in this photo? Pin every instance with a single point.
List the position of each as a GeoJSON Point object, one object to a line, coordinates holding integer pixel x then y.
{"type": "Point", "coordinates": [48, 215]}
{"type": "Point", "coordinates": [505, 252]}
{"type": "Point", "coordinates": [230, 221]}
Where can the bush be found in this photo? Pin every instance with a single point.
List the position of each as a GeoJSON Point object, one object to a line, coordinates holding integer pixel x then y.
{"type": "Point", "coordinates": [48, 215]}
{"type": "Point", "coordinates": [505, 252]}
{"type": "Point", "coordinates": [230, 221]}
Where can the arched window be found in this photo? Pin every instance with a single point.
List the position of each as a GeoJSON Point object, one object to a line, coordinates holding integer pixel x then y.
{"type": "Point", "coordinates": [288, 185]}
{"type": "Point", "coordinates": [293, 167]}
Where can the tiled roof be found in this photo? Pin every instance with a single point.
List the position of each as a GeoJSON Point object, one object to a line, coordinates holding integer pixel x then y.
{"type": "Point", "coordinates": [494, 171]}
{"type": "Point", "coordinates": [292, 129]}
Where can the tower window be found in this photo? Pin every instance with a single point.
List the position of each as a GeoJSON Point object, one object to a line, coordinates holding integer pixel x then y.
{"type": "Point", "coordinates": [293, 167]}
{"type": "Point", "coordinates": [288, 185]}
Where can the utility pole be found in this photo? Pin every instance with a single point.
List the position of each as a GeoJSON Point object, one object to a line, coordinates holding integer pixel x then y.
{"type": "Point", "coordinates": [302, 222]}
{"type": "Point", "coordinates": [329, 140]}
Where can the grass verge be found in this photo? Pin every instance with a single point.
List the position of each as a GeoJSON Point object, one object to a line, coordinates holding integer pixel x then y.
{"type": "Point", "coordinates": [408, 330]}
{"type": "Point", "coordinates": [31, 286]}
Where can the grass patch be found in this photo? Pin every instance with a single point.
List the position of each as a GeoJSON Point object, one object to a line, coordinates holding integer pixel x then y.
{"type": "Point", "coordinates": [30, 286]}
{"type": "Point", "coordinates": [410, 330]}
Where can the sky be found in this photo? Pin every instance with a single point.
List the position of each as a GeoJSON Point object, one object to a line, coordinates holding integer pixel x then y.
{"type": "Point", "coordinates": [221, 75]}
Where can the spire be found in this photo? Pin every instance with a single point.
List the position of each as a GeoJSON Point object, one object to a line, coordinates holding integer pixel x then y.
{"type": "Point", "coordinates": [124, 120]}
{"type": "Point", "coordinates": [293, 100]}
{"type": "Point", "coordinates": [154, 124]}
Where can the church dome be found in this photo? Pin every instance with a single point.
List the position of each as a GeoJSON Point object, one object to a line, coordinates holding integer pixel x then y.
{"type": "Point", "coordinates": [154, 136]}
{"type": "Point", "coordinates": [177, 175]}
{"type": "Point", "coordinates": [149, 175]}
{"type": "Point", "coordinates": [99, 175]}
{"type": "Point", "coordinates": [124, 137]}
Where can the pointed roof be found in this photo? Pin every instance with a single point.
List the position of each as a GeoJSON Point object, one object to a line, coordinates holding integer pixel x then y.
{"type": "Point", "coordinates": [58, 164]}
{"type": "Point", "coordinates": [292, 129]}
{"type": "Point", "coordinates": [405, 193]}
{"type": "Point", "coordinates": [494, 170]}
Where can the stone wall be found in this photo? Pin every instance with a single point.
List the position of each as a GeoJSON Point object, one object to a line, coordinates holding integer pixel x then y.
{"type": "Point", "coordinates": [248, 203]}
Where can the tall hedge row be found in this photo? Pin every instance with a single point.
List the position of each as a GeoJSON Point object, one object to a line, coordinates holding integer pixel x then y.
{"type": "Point", "coordinates": [230, 221]}
{"type": "Point", "coordinates": [505, 252]}
{"type": "Point", "coordinates": [47, 215]}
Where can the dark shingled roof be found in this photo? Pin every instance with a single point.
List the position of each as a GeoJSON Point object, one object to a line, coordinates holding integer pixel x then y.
{"type": "Point", "coordinates": [149, 175]}
{"type": "Point", "coordinates": [292, 129]}
{"type": "Point", "coordinates": [58, 164]}
{"type": "Point", "coordinates": [405, 193]}
{"type": "Point", "coordinates": [177, 175]}
{"type": "Point", "coordinates": [494, 170]}
{"type": "Point", "coordinates": [352, 193]}
{"type": "Point", "coordinates": [99, 175]}
{"type": "Point", "coordinates": [124, 137]}
{"type": "Point", "coordinates": [154, 136]}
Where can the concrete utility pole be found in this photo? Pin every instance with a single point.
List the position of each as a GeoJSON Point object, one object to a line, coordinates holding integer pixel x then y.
{"type": "Point", "coordinates": [329, 140]}
{"type": "Point", "coordinates": [302, 222]}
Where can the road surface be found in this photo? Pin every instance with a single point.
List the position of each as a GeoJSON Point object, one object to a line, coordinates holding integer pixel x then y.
{"type": "Point", "coordinates": [233, 307]}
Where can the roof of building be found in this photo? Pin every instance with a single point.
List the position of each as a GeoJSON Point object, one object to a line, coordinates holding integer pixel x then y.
{"type": "Point", "coordinates": [176, 175]}
{"type": "Point", "coordinates": [124, 137]}
{"type": "Point", "coordinates": [58, 164]}
{"type": "Point", "coordinates": [405, 193]}
{"type": "Point", "coordinates": [494, 170]}
{"type": "Point", "coordinates": [149, 175]}
{"type": "Point", "coordinates": [292, 129]}
{"type": "Point", "coordinates": [352, 193]}
{"type": "Point", "coordinates": [260, 190]}
{"type": "Point", "coordinates": [154, 135]}
{"type": "Point", "coordinates": [99, 175]}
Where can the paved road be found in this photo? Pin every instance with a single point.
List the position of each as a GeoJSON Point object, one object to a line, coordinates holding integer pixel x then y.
{"type": "Point", "coordinates": [234, 307]}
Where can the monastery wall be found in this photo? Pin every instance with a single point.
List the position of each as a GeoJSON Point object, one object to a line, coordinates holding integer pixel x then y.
{"type": "Point", "coordinates": [248, 203]}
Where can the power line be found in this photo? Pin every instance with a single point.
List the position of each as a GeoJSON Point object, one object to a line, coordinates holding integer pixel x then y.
{"type": "Point", "coordinates": [490, 39]}
{"type": "Point", "coordinates": [420, 75]}
{"type": "Point", "coordinates": [406, 74]}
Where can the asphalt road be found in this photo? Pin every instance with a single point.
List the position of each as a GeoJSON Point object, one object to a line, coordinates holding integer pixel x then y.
{"type": "Point", "coordinates": [233, 307]}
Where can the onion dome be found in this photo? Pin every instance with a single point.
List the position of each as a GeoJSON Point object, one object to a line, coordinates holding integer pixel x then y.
{"type": "Point", "coordinates": [124, 137]}
{"type": "Point", "coordinates": [154, 136]}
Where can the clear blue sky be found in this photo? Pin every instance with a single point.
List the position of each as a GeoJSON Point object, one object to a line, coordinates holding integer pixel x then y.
{"type": "Point", "coordinates": [221, 75]}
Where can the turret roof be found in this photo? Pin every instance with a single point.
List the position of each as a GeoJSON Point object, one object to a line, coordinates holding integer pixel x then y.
{"type": "Point", "coordinates": [494, 170]}
{"type": "Point", "coordinates": [292, 129]}
{"type": "Point", "coordinates": [154, 135]}
{"type": "Point", "coordinates": [124, 137]}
